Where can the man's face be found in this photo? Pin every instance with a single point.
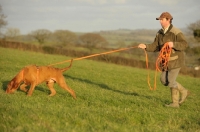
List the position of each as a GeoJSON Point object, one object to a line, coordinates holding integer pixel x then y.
{"type": "Point", "coordinates": [164, 22]}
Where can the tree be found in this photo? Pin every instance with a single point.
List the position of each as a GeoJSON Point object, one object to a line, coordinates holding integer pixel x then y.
{"type": "Point", "coordinates": [65, 37]}
{"type": "Point", "coordinates": [196, 33]}
{"type": "Point", "coordinates": [195, 28]}
{"type": "Point", "coordinates": [92, 40]}
{"type": "Point", "coordinates": [3, 22]}
{"type": "Point", "coordinates": [40, 35]}
{"type": "Point", "coordinates": [12, 33]}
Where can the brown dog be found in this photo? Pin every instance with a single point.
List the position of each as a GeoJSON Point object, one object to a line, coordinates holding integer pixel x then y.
{"type": "Point", "coordinates": [33, 75]}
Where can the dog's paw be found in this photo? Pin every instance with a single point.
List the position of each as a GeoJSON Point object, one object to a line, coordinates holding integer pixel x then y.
{"type": "Point", "coordinates": [29, 94]}
{"type": "Point", "coordinates": [52, 94]}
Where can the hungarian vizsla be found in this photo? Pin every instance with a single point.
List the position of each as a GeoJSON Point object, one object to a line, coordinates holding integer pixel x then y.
{"type": "Point", "coordinates": [33, 75]}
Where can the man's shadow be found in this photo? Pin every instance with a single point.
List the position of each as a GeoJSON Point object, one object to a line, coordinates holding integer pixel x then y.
{"type": "Point", "coordinates": [101, 85]}
{"type": "Point", "coordinates": [104, 86]}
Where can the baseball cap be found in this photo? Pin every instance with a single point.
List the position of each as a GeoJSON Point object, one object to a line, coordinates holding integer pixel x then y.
{"type": "Point", "coordinates": [165, 15]}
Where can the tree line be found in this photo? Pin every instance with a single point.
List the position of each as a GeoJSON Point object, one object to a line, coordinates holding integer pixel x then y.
{"type": "Point", "coordinates": [61, 37]}
{"type": "Point", "coordinates": [120, 60]}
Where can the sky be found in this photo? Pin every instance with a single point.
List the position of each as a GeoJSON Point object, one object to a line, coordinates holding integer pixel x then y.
{"type": "Point", "coordinates": [96, 15]}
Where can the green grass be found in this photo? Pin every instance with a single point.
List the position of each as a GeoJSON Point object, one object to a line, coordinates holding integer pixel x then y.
{"type": "Point", "coordinates": [110, 98]}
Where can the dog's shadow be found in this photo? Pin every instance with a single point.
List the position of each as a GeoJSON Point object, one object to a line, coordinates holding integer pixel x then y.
{"type": "Point", "coordinates": [103, 86]}
{"type": "Point", "coordinates": [4, 85]}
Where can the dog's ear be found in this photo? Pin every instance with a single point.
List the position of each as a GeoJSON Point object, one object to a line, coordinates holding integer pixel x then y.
{"type": "Point", "coordinates": [9, 86]}
{"type": "Point", "coordinates": [13, 84]}
{"type": "Point", "coordinates": [13, 81]}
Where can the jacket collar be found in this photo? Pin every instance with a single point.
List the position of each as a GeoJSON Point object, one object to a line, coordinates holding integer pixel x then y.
{"type": "Point", "coordinates": [169, 28]}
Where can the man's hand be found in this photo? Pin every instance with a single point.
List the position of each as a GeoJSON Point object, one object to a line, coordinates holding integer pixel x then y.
{"type": "Point", "coordinates": [142, 46]}
{"type": "Point", "coordinates": [171, 44]}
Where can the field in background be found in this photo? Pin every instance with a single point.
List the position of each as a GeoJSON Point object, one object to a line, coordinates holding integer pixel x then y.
{"type": "Point", "coordinates": [121, 38]}
{"type": "Point", "coordinates": [109, 98]}
{"type": "Point", "coordinates": [133, 57]}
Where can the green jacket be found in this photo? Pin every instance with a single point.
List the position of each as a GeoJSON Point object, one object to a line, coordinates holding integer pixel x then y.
{"type": "Point", "coordinates": [177, 58]}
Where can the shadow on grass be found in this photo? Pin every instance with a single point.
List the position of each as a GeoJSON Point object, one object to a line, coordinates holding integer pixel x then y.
{"type": "Point", "coordinates": [4, 85]}
{"type": "Point", "coordinates": [103, 86]}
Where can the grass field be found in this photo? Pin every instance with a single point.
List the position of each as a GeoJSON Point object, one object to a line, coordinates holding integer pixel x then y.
{"type": "Point", "coordinates": [110, 98]}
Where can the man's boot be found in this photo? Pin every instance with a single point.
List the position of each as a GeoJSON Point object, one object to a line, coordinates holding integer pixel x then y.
{"type": "Point", "coordinates": [184, 93]}
{"type": "Point", "coordinates": [175, 98]}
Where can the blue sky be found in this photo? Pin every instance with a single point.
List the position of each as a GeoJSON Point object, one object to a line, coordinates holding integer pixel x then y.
{"type": "Point", "coordinates": [96, 15]}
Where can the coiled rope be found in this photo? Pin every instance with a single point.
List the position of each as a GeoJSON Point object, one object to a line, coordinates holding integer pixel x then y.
{"type": "Point", "coordinates": [163, 58]}
{"type": "Point", "coordinates": [161, 62]}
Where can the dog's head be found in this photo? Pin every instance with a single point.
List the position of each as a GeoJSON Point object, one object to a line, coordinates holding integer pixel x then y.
{"type": "Point", "coordinates": [12, 85]}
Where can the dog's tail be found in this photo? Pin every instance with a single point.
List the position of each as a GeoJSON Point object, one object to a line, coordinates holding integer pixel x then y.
{"type": "Point", "coordinates": [64, 69]}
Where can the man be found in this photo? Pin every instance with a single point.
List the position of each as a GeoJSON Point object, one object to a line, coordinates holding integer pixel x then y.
{"type": "Point", "coordinates": [176, 40]}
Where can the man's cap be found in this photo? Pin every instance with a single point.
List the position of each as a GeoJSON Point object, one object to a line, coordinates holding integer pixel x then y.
{"type": "Point", "coordinates": [165, 15]}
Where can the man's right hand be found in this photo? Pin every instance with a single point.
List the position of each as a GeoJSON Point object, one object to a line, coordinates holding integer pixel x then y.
{"type": "Point", "coordinates": [142, 46]}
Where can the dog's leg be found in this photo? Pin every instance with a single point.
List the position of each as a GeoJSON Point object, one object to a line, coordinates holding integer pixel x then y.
{"type": "Point", "coordinates": [30, 91]}
{"type": "Point", "coordinates": [50, 86]}
{"type": "Point", "coordinates": [23, 87]}
{"type": "Point", "coordinates": [63, 85]}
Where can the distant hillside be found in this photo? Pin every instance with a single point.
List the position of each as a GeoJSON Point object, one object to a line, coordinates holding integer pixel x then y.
{"type": "Point", "coordinates": [136, 36]}
{"type": "Point", "coordinates": [129, 36]}
{"type": "Point", "coordinates": [121, 37]}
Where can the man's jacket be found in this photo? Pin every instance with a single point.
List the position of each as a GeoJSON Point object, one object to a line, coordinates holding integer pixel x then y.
{"type": "Point", "coordinates": [177, 58]}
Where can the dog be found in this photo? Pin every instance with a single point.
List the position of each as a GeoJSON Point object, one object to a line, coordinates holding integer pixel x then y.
{"type": "Point", "coordinates": [33, 75]}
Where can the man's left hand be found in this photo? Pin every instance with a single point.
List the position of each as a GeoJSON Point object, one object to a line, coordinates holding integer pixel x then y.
{"type": "Point", "coordinates": [171, 44]}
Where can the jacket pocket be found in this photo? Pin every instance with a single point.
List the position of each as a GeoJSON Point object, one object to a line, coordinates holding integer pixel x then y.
{"type": "Point", "coordinates": [173, 58]}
